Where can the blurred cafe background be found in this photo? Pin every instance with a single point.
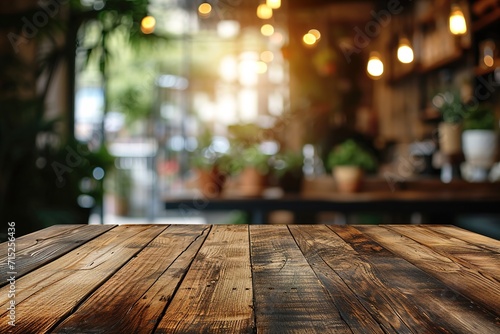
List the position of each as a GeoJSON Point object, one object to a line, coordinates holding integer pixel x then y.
{"type": "Point", "coordinates": [109, 108]}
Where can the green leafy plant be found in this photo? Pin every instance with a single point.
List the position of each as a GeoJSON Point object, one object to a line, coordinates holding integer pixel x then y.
{"type": "Point", "coordinates": [253, 157]}
{"type": "Point", "coordinates": [479, 118]}
{"type": "Point", "coordinates": [349, 153]}
{"type": "Point", "coordinates": [450, 106]}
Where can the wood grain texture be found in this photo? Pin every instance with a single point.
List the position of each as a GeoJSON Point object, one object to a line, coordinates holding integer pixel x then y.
{"type": "Point", "coordinates": [465, 279]}
{"type": "Point", "coordinates": [152, 277]}
{"type": "Point", "coordinates": [50, 293]}
{"type": "Point", "coordinates": [440, 309]}
{"type": "Point", "coordinates": [466, 254]}
{"type": "Point", "coordinates": [472, 238]}
{"type": "Point", "coordinates": [36, 249]}
{"type": "Point", "coordinates": [388, 306]}
{"type": "Point", "coordinates": [256, 279]}
{"type": "Point", "coordinates": [216, 293]}
{"type": "Point", "coordinates": [289, 298]}
{"type": "Point", "coordinates": [315, 245]}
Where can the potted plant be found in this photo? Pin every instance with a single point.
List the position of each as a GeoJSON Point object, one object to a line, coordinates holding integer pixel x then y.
{"type": "Point", "coordinates": [252, 167]}
{"type": "Point", "coordinates": [287, 167]}
{"type": "Point", "coordinates": [209, 166]}
{"type": "Point", "coordinates": [348, 161]}
{"type": "Point", "coordinates": [480, 139]}
{"type": "Point", "coordinates": [450, 129]}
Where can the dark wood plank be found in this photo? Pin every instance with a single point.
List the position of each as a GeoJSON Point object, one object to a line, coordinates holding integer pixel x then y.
{"type": "Point", "coordinates": [289, 298]}
{"type": "Point", "coordinates": [216, 293]}
{"type": "Point", "coordinates": [390, 307]}
{"type": "Point", "coordinates": [484, 261]}
{"type": "Point", "coordinates": [441, 309]}
{"type": "Point", "coordinates": [151, 279]}
{"type": "Point", "coordinates": [36, 249]}
{"type": "Point", "coordinates": [49, 294]}
{"type": "Point", "coordinates": [315, 243]}
{"type": "Point", "coordinates": [468, 281]}
{"type": "Point", "coordinates": [473, 238]}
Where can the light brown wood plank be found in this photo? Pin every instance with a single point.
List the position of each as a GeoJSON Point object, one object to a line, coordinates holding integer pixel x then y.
{"type": "Point", "coordinates": [216, 293]}
{"type": "Point", "coordinates": [36, 249]}
{"type": "Point", "coordinates": [151, 279]}
{"type": "Point", "coordinates": [473, 238]}
{"type": "Point", "coordinates": [441, 309]}
{"type": "Point", "coordinates": [485, 262]}
{"type": "Point", "coordinates": [289, 298]}
{"type": "Point", "coordinates": [49, 294]}
{"type": "Point", "coordinates": [469, 282]}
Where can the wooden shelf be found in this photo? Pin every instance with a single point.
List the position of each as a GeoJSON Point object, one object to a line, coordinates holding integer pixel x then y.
{"type": "Point", "coordinates": [448, 60]}
{"type": "Point", "coordinates": [430, 115]}
{"type": "Point", "coordinates": [479, 70]}
{"type": "Point", "coordinates": [486, 20]}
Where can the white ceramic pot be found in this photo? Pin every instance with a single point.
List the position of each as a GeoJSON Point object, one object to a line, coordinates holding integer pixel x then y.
{"type": "Point", "coordinates": [480, 147]}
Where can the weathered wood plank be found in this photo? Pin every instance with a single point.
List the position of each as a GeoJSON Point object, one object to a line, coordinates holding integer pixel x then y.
{"type": "Point", "coordinates": [315, 243]}
{"type": "Point", "coordinates": [151, 277]}
{"type": "Point", "coordinates": [473, 238]}
{"type": "Point", "coordinates": [49, 294]}
{"type": "Point", "coordinates": [289, 298]}
{"type": "Point", "coordinates": [390, 307]}
{"type": "Point", "coordinates": [468, 255]}
{"type": "Point", "coordinates": [36, 249]}
{"type": "Point", "coordinates": [468, 281]}
{"type": "Point", "coordinates": [441, 309]}
{"type": "Point", "coordinates": [216, 293]}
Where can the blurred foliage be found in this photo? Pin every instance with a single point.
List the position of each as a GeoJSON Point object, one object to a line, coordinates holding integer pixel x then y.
{"type": "Point", "coordinates": [450, 105]}
{"type": "Point", "coordinates": [480, 117]}
{"type": "Point", "coordinates": [41, 176]}
{"type": "Point", "coordinates": [349, 153]}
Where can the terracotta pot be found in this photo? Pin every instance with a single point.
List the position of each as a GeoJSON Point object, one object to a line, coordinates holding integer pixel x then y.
{"type": "Point", "coordinates": [348, 179]}
{"type": "Point", "coordinates": [450, 138]}
{"type": "Point", "coordinates": [210, 182]}
{"type": "Point", "coordinates": [251, 182]}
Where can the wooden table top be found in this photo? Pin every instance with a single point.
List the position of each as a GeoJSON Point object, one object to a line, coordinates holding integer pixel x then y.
{"type": "Point", "coordinates": [251, 279]}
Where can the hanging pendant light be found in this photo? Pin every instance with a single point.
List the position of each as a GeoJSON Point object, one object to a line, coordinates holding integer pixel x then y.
{"type": "Point", "coordinates": [375, 66]}
{"type": "Point", "coordinates": [274, 4]}
{"type": "Point", "coordinates": [405, 51]}
{"type": "Point", "coordinates": [458, 25]}
{"type": "Point", "coordinates": [264, 12]}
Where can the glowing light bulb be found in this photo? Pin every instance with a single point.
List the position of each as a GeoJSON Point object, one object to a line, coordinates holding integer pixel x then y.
{"type": "Point", "coordinates": [375, 67]}
{"type": "Point", "coordinates": [309, 39]}
{"type": "Point", "coordinates": [267, 30]}
{"type": "Point", "coordinates": [316, 33]}
{"type": "Point", "coordinates": [274, 4]}
{"type": "Point", "coordinates": [458, 26]}
{"type": "Point", "coordinates": [488, 61]}
{"type": "Point", "coordinates": [405, 52]}
{"type": "Point", "coordinates": [264, 12]}
{"type": "Point", "coordinates": [148, 24]}
{"type": "Point", "coordinates": [205, 9]}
